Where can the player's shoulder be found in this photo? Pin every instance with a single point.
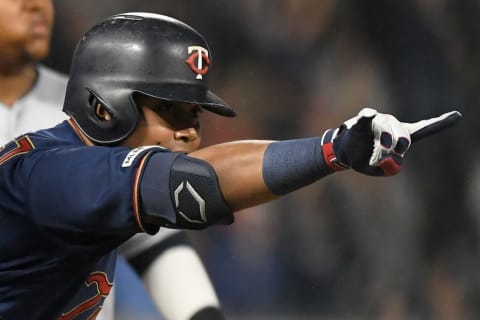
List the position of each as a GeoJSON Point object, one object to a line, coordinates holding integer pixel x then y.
{"type": "Point", "coordinates": [28, 148]}
{"type": "Point", "coordinates": [59, 136]}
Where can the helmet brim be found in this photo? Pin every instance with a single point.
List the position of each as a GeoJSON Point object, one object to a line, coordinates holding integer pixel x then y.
{"type": "Point", "coordinates": [218, 106]}
{"type": "Point", "coordinates": [189, 94]}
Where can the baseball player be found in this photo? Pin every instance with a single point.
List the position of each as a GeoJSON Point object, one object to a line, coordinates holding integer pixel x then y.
{"type": "Point", "coordinates": [31, 98]}
{"type": "Point", "coordinates": [31, 93]}
{"type": "Point", "coordinates": [128, 161]}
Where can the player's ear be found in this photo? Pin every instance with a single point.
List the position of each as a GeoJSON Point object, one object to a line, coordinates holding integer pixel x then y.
{"type": "Point", "coordinates": [102, 112]}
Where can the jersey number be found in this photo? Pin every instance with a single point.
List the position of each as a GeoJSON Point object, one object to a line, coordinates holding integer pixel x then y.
{"type": "Point", "coordinates": [103, 289]}
{"type": "Point", "coordinates": [23, 145]}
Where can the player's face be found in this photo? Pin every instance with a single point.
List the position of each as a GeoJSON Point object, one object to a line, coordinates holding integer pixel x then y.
{"type": "Point", "coordinates": [25, 30]}
{"type": "Point", "coordinates": [175, 126]}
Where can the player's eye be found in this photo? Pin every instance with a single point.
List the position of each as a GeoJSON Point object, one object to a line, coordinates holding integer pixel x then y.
{"type": "Point", "coordinates": [196, 111]}
{"type": "Point", "coordinates": [164, 107]}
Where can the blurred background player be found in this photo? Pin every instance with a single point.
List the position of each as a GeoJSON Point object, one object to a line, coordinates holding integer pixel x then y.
{"type": "Point", "coordinates": [31, 98]}
{"type": "Point", "coordinates": [31, 93]}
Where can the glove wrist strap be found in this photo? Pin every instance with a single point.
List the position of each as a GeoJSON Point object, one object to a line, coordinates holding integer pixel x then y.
{"type": "Point", "coordinates": [329, 153]}
{"type": "Point", "coordinates": [331, 159]}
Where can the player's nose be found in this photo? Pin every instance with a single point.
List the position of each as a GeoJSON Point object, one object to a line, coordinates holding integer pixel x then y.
{"type": "Point", "coordinates": [187, 135]}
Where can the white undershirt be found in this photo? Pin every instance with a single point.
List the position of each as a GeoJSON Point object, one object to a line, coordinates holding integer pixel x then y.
{"type": "Point", "coordinates": [39, 108]}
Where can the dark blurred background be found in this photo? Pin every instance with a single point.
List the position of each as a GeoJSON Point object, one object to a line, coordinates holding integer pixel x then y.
{"type": "Point", "coordinates": [349, 246]}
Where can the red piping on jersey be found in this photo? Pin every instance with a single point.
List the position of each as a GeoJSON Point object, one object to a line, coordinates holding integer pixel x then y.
{"type": "Point", "coordinates": [136, 191]}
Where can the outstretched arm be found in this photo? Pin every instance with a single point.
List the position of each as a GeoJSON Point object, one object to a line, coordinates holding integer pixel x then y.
{"type": "Point", "coordinates": [252, 172]}
{"type": "Point", "coordinates": [238, 166]}
{"type": "Point", "coordinates": [208, 184]}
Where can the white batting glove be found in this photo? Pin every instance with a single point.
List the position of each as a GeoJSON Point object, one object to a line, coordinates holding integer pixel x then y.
{"type": "Point", "coordinates": [375, 143]}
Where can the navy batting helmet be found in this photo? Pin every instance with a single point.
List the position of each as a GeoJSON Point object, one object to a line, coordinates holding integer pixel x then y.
{"type": "Point", "coordinates": [148, 53]}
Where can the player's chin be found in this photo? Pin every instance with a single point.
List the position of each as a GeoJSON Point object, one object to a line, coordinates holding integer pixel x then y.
{"type": "Point", "coordinates": [182, 148]}
{"type": "Point", "coordinates": [179, 151]}
{"type": "Point", "coordinates": [38, 49]}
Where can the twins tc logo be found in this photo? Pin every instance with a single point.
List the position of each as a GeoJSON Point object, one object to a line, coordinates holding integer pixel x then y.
{"type": "Point", "coordinates": [198, 60]}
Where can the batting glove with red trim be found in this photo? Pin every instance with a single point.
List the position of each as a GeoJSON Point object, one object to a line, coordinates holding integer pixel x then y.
{"type": "Point", "coordinates": [374, 143]}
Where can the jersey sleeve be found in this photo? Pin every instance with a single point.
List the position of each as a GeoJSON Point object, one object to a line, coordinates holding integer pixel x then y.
{"type": "Point", "coordinates": [90, 189]}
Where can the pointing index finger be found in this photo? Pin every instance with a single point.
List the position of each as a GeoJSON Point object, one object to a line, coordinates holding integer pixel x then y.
{"type": "Point", "coordinates": [427, 127]}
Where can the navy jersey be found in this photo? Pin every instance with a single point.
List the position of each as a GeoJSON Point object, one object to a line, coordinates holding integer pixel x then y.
{"type": "Point", "coordinates": [64, 208]}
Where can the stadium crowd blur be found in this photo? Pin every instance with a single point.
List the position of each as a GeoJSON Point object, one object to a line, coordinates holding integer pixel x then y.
{"type": "Point", "coordinates": [348, 247]}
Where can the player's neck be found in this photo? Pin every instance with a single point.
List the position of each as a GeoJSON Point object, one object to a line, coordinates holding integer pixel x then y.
{"type": "Point", "coordinates": [16, 83]}
{"type": "Point", "coordinates": [79, 133]}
